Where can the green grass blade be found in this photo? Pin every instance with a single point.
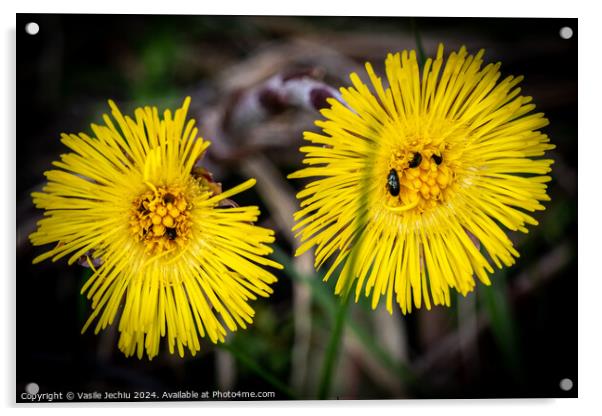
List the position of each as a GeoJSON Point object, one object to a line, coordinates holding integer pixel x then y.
{"type": "Point", "coordinates": [257, 369]}
{"type": "Point", "coordinates": [501, 319]}
{"type": "Point", "coordinates": [322, 295]}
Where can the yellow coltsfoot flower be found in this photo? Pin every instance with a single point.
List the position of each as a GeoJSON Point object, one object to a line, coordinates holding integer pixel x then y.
{"type": "Point", "coordinates": [168, 256]}
{"type": "Point", "coordinates": [406, 178]}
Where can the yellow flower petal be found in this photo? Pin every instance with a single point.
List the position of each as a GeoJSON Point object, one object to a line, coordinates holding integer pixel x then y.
{"type": "Point", "coordinates": [466, 150]}
{"type": "Point", "coordinates": [177, 266]}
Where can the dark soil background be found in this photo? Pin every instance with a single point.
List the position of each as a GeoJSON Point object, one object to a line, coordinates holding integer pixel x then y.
{"type": "Point", "coordinates": [517, 338]}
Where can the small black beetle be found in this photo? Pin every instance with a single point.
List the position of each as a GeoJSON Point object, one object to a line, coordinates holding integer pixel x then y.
{"type": "Point", "coordinates": [171, 233]}
{"type": "Point", "coordinates": [393, 182]}
{"type": "Point", "coordinates": [416, 160]}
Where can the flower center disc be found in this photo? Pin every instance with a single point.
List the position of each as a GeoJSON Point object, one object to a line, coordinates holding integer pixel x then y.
{"type": "Point", "coordinates": [161, 219]}
{"type": "Point", "coordinates": [424, 180]}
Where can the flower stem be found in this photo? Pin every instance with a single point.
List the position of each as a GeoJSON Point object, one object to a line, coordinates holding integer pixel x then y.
{"type": "Point", "coordinates": [323, 297]}
{"type": "Point", "coordinates": [499, 310]}
{"type": "Point", "coordinates": [333, 347]}
{"type": "Point", "coordinates": [257, 369]}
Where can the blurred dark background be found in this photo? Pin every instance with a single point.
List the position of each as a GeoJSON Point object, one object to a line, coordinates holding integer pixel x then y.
{"type": "Point", "coordinates": [517, 338]}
